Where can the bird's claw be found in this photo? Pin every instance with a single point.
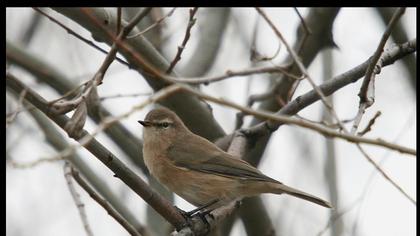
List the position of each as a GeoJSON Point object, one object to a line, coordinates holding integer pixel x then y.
{"type": "Point", "coordinates": [203, 218]}
{"type": "Point", "coordinates": [196, 212]}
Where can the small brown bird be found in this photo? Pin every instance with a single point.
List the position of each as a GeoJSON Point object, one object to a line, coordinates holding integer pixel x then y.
{"type": "Point", "coordinates": [199, 171]}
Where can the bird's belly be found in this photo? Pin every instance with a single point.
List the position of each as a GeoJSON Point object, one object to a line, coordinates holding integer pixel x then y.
{"type": "Point", "coordinates": [200, 188]}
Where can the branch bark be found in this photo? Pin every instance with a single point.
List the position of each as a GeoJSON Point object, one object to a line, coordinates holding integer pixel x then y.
{"type": "Point", "coordinates": [196, 114]}
{"type": "Point", "coordinates": [121, 171]}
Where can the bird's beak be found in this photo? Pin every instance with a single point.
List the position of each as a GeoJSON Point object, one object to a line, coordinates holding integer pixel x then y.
{"type": "Point", "coordinates": [145, 123]}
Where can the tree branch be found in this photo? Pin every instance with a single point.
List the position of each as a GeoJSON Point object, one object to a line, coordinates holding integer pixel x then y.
{"type": "Point", "coordinates": [367, 90]}
{"type": "Point", "coordinates": [150, 63]}
{"type": "Point", "coordinates": [111, 211]}
{"type": "Point", "coordinates": [181, 48]}
{"type": "Point", "coordinates": [121, 171]}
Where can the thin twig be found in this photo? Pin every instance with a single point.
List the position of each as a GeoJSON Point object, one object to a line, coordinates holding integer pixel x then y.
{"type": "Point", "coordinates": [157, 73]}
{"type": "Point", "coordinates": [181, 48]}
{"type": "Point", "coordinates": [300, 66]}
{"type": "Point", "coordinates": [230, 74]}
{"type": "Point", "coordinates": [11, 117]}
{"type": "Point", "coordinates": [339, 213]}
{"type": "Point", "coordinates": [150, 69]}
{"type": "Point", "coordinates": [302, 21]}
{"type": "Point", "coordinates": [306, 33]}
{"type": "Point", "coordinates": [60, 106]}
{"type": "Point", "coordinates": [326, 103]}
{"type": "Point", "coordinates": [121, 36]}
{"type": "Point", "coordinates": [286, 119]}
{"type": "Point", "coordinates": [171, 79]}
{"type": "Point", "coordinates": [371, 178]}
{"type": "Point", "coordinates": [124, 95]}
{"type": "Point", "coordinates": [152, 25]}
{"type": "Point", "coordinates": [385, 175]}
{"type": "Point", "coordinates": [71, 32]}
{"type": "Point", "coordinates": [368, 84]}
{"type": "Point", "coordinates": [371, 69]}
{"type": "Point", "coordinates": [76, 198]}
{"type": "Point", "coordinates": [107, 122]}
{"type": "Point", "coordinates": [160, 204]}
{"type": "Point", "coordinates": [369, 125]}
{"type": "Point", "coordinates": [163, 93]}
{"type": "Point", "coordinates": [27, 165]}
{"type": "Point", "coordinates": [334, 84]}
{"type": "Point", "coordinates": [69, 94]}
{"type": "Point", "coordinates": [323, 122]}
{"type": "Point", "coordinates": [255, 55]}
{"type": "Point", "coordinates": [101, 201]}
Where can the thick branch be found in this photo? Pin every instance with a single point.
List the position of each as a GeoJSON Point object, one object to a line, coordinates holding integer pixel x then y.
{"type": "Point", "coordinates": [111, 211]}
{"type": "Point", "coordinates": [393, 54]}
{"type": "Point", "coordinates": [193, 112]}
{"type": "Point", "coordinates": [399, 35]}
{"type": "Point", "coordinates": [59, 143]}
{"type": "Point", "coordinates": [121, 171]}
{"type": "Point", "coordinates": [274, 121]}
{"type": "Point", "coordinates": [125, 139]}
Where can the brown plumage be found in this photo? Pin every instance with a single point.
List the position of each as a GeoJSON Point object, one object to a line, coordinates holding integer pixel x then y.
{"type": "Point", "coordinates": [199, 171]}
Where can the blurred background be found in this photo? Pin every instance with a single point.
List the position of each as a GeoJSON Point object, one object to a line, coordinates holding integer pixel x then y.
{"type": "Point", "coordinates": [51, 61]}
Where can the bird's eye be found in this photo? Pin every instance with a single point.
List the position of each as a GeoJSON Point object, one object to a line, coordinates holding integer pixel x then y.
{"type": "Point", "coordinates": [165, 125]}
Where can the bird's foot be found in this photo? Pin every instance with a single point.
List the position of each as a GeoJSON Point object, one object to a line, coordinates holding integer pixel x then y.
{"type": "Point", "coordinates": [186, 216]}
{"type": "Point", "coordinates": [202, 215]}
{"type": "Point", "coordinates": [198, 212]}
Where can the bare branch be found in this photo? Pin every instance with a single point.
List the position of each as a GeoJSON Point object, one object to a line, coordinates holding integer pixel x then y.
{"type": "Point", "coordinates": [12, 116]}
{"type": "Point", "coordinates": [74, 127]}
{"type": "Point", "coordinates": [131, 179]}
{"type": "Point", "coordinates": [32, 164]}
{"type": "Point", "coordinates": [367, 90]}
{"type": "Point", "coordinates": [111, 211]}
{"type": "Point", "coordinates": [181, 48]}
{"type": "Point", "coordinates": [372, 69]}
{"type": "Point", "coordinates": [150, 64]}
{"type": "Point", "coordinates": [301, 66]}
{"type": "Point", "coordinates": [385, 175]}
{"type": "Point", "coordinates": [58, 142]}
{"type": "Point", "coordinates": [369, 125]}
{"type": "Point", "coordinates": [76, 198]}
{"type": "Point", "coordinates": [124, 96]}
{"type": "Point", "coordinates": [71, 32]}
{"type": "Point", "coordinates": [84, 139]}
{"type": "Point", "coordinates": [302, 21]}
{"type": "Point", "coordinates": [326, 103]}
{"type": "Point", "coordinates": [124, 138]}
{"type": "Point", "coordinates": [152, 25]}
{"type": "Point", "coordinates": [230, 74]}
{"type": "Point", "coordinates": [121, 36]}
{"type": "Point", "coordinates": [339, 213]}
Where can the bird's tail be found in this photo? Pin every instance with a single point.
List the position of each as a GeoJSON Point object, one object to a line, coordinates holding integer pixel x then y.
{"type": "Point", "coordinates": [281, 188]}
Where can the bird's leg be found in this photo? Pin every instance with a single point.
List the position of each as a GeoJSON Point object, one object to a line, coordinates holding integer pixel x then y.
{"type": "Point", "coordinates": [188, 214]}
{"type": "Point", "coordinates": [198, 209]}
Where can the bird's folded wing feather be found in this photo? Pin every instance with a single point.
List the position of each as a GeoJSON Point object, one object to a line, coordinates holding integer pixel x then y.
{"type": "Point", "coordinates": [206, 157]}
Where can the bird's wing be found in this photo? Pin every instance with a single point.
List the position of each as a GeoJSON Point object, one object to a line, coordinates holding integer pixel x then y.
{"type": "Point", "coordinates": [204, 156]}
